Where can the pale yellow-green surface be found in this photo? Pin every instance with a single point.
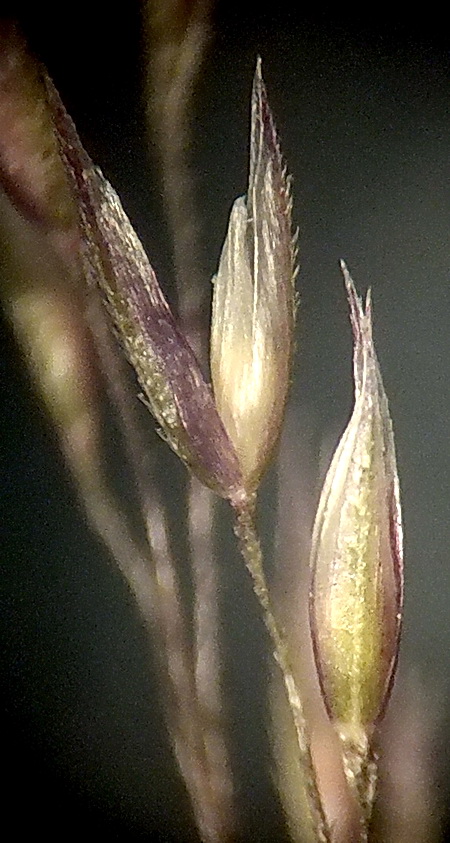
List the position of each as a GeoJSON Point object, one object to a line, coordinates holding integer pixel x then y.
{"type": "Point", "coordinates": [356, 601]}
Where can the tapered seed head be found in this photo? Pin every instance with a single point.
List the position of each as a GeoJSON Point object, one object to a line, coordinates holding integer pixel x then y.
{"type": "Point", "coordinates": [254, 302]}
{"type": "Point", "coordinates": [357, 570]}
{"type": "Point", "coordinates": [114, 259]}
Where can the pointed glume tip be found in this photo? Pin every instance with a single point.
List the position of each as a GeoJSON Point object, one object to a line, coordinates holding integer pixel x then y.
{"type": "Point", "coordinates": [347, 278]}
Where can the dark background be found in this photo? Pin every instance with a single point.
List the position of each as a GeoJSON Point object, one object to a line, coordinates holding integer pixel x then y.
{"type": "Point", "coordinates": [362, 107]}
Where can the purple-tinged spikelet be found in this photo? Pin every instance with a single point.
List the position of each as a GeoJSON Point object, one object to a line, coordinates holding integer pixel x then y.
{"type": "Point", "coordinates": [113, 257]}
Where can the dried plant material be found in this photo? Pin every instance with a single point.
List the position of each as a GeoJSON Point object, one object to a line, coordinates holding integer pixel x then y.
{"type": "Point", "coordinates": [61, 219]}
{"type": "Point", "coordinates": [254, 302]}
{"type": "Point", "coordinates": [167, 369]}
{"type": "Point", "coordinates": [357, 581]}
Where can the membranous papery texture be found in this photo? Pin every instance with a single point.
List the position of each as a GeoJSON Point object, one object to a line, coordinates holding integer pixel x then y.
{"type": "Point", "coordinates": [253, 301]}
{"type": "Point", "coordinates": [167, 369]}
{"type": "Point", "coordinates": [242, 349]}
{"type": "Point", "coordinates": [356, 593]}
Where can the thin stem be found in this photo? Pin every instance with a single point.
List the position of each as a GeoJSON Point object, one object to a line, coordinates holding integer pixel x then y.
{"type": "Point", "coordinates": [164, 614]}
{"type": "Point", "coordinates": [207, 651]}
{"type": "Point", "coordinates": [360, 767]}
{"type": "Point", "coordinates": [178, 34]}
{"type": "Point", "coordinates": [183, 714]}
{"type": "Point", "coordinates": [152, 579]}
{"type": "Point", "coordinates": [250, 547]}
